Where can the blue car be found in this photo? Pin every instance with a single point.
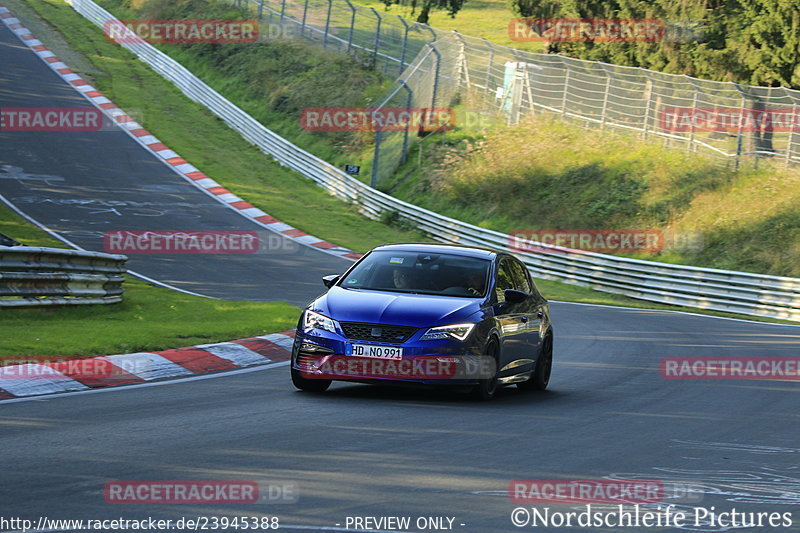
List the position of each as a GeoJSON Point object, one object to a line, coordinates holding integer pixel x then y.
{"type": "Point", "coordinates": [430, 314]}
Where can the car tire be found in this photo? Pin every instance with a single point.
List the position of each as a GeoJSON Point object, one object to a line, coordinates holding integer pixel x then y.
{"type": "Point", "coordinates": [486, 388]}
{"type": "Point", "coordinates": [309, 385]}
{"type": "Point", "coordinates": [540, 377]}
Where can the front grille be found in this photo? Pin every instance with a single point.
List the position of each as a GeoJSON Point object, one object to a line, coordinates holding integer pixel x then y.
{"type": "Point", "coordinates": [385, 333]}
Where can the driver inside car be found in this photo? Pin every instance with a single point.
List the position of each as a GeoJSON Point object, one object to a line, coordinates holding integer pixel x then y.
{"type": "Point", "coordinates": [401, 278]}
{"type": "Point", "coordinates": [475, 284]}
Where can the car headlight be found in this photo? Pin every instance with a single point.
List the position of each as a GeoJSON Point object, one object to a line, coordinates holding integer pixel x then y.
{"type": "Point", "coordinates": [312, 320]}
{"type": "Point", "coordinates": [455, 331]}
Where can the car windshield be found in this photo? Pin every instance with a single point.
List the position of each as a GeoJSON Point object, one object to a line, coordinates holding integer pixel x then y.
{"type": "Point", "coordinates": [420, 273]}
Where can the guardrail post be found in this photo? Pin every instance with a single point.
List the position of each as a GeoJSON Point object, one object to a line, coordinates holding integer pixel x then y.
{"type": "Point", "coordinates": [303, 23]}
{"type": "Point", "coordinates": [463, 67]}
{"type": "Point", "coordinates": [791, 135]}
{"type": "Point", "coordinates": [566, 89]}
{"type": "Point", "coordinates": [283, 11]}
{"type": "Point", "coordinates": [327, 24]}
{"type": "Point", "coordinates": [377, 36]}
{"type": "Point", "coordinates": [740, 133]}
{"type": "Point", "coordinates": [409, 100]}
{"type": "Point", "coordinates": [405, 45]}
{"type": "Point", "coordinates": [375, 157]}
{"type": "Point", "coordinates": [531, 101]}
{"type": "Point", "coordinates": [352, 25]}
{"type": "Point", "coordinates": [648, 97]}
{"type": "Point", "coordinates": [490, 65]}
{"type": "Point", "coordinates": [690, 143]}
{"type": "Point", "coordinates": [605, 101]}
{"type": "Point", "coordinates": [435, 75]}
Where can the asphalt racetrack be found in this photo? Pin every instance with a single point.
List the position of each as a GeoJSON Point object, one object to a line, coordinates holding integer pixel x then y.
{"type": "Point", "coordinates": [355, 452]}
{"type": "Point", "coordinates": [84, 184]}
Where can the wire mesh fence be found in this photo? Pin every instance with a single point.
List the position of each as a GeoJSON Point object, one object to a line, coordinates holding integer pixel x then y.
{"type": "Point", "coordinates": [388, 42]}
{"type": "Point", "coordinates": [729, 120]}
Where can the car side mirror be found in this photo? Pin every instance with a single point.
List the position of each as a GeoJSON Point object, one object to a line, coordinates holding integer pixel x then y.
{"type": "Point", "coordinates": [513, 296]}
{"type": "Point", "coordinates": [330, 280]}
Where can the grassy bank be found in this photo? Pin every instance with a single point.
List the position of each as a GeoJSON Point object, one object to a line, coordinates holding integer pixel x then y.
{"type": "Point", "coordinates": [273, 80]}
{"type": "Point", "coordinates": [547, 174]}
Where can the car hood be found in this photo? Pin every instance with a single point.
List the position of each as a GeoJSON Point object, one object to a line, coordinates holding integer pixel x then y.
{"type": "Point", "coordinates": [377, 307]}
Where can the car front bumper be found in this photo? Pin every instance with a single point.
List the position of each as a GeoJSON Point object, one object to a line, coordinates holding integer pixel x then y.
{"type": "Point", "coordinates": [321, 354]}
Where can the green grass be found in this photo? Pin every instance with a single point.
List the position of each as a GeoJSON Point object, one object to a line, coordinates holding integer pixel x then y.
{"type": "Point", "coordinates": [149, 318]}
{"type": "Point", "coordinates": [532, 177]}
{"type": "Point", "coordinates": [274, 80]}
{"type": "Point", "coordinates": [487, 19]}
{"type": "Point", "coordinates": [15, 226]}
{"type": "Point", "coordinates": [222, 154]}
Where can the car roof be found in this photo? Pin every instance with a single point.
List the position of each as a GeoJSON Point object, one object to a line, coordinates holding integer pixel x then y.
{"type": "Point", "coordinates": [467, 251]}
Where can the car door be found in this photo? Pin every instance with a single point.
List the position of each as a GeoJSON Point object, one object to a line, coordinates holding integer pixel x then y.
{"type": "Point", "coordinates": [510, 318]}
{"type": "Point", "coordinates": [531, 310]}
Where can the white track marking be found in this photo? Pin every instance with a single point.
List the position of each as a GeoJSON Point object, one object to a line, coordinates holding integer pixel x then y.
{"type": "Point", "coordinates": [236, 353]}
{"type": "Point", "coordinates": [687, 313]}
{"type": "Point", "coordinates": [142, 385]}
{"type": "Point", "coordinates": [284, 341]}
{"type": "Point", "coordinates": [148, 366]}
{"type": "Point", "coordinates": [45, 380]}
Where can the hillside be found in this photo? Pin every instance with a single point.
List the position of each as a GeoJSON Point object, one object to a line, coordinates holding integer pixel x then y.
{"type": "Point", "coordinates": [552, 175]}
{"type": "Point", "coordinates": [537, 175]}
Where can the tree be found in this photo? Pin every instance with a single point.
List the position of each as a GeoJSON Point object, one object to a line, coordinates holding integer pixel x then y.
{"type": "Point", "coordinates": [426, 6]}
{"type": "Point", "coordinates": [563, 8]}
{"type": "Point", "coordinates": [746, 41]}
{"type": "Point", "coordinates": [768, 46]}
{"type": "Point", "coordinates": [535, 8]}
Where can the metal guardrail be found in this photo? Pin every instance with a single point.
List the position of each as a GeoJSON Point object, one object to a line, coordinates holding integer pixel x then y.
{"type": "Point", "coordinates": [35, 276]}
{"type": "Point", "coordinates": [719, 290]}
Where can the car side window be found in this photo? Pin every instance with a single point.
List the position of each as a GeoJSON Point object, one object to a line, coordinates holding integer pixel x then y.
{"type": "Point", "coordinates": [505, 280]}
{"type": "Point", "coordinates": [534, 288]}
{"type": "Point", "coordinates": [520, 277]}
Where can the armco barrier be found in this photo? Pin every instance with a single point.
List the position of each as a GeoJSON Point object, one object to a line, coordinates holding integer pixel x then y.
{"type": "Point", "coordinates": [34, 276]}
{"type": "Point", "coordinates": [720, 290]}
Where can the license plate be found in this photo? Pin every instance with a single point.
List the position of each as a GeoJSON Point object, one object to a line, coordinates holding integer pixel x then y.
{"type": "Point", "coordinates": [378, 352]}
